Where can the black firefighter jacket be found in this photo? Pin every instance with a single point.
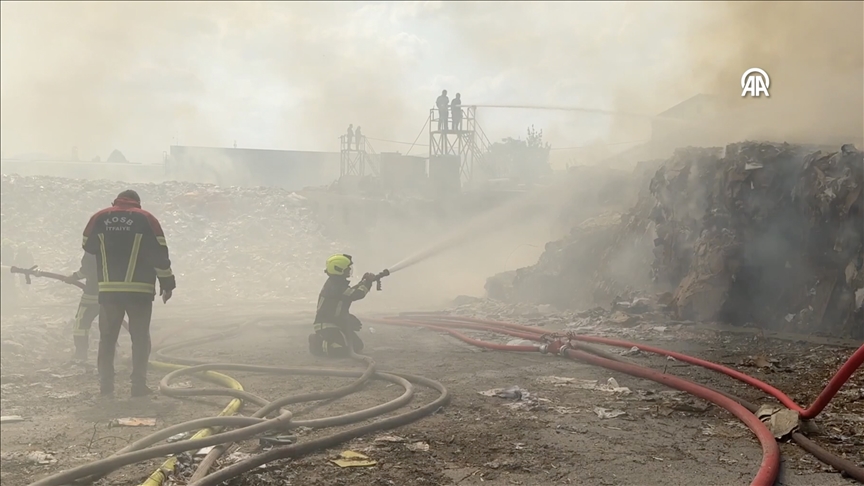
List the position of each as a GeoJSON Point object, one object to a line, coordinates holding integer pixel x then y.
{"type": "Point", "coordinates": [335, 300]}
{"type": "Point", "coordinates": [131, 252]}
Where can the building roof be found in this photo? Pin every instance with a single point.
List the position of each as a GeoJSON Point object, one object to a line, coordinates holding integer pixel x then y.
{"type": "Point", "coordinates": [686, 108]}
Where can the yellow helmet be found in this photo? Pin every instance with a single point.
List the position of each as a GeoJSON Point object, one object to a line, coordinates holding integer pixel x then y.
{"type": "Point", "coordinates": [339, 265]}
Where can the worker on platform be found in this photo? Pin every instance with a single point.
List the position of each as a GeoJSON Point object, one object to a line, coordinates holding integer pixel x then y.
{"type": "Point", "coordinates": [88, 307]}
{"type": "Point", "coordinates": [358, 135]}
{"type": "Point", "coordinates": [442, 102]}
{"type": "Point", "coordinates": [349, 136]}
{"type": "Point", "coordinates": [335, 328]}
{"type": "Point", "coordinates": [456, 112]}
{"type": "Point", "coordinates": [131, 253]}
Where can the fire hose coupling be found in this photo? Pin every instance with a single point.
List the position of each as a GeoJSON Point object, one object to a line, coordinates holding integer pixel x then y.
{"type": "Point", "coordinates": [564, 347]}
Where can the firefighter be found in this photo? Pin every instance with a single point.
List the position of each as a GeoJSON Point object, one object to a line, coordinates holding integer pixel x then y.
{"type": "Point", "coordinates": [335, 328]}
{"type": "Point", "coordinates": [8, 284]}
{"type": "Point", "coordinates": [88, 307]}
{"type": "Point", "coordinates": [131, 254]}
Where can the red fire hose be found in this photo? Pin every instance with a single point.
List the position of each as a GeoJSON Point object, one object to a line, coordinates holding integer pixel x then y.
{"type": "Point", "coordinates": [771, 453]}
{"type": "Point", "coordinates": [841, 377]}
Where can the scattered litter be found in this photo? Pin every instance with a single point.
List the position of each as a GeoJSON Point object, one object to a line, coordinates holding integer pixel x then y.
{"type": "Point", "coordinates": [181, 385]}
{"type": "Point", "coordinates": [418, 447]}
{"type": "Point", "coordinates": [395, 439]}
{"type": "Point", "coordinates": [611, 385]}
{"type": "Point", "coordinates": [204, 451]}
{"type": "Point", "coordinates": [353, 459]}
{"type": "Point", "coordinates": [659, 328]}
{"type": "Point", "coordinates": [134, 422]}
{"type": "Point", "coordinates": [277, 440]}
{"type": "Point", "coordinates": [630, 352]}
{"type": "Point", "coordinates": [605, 413]}
{"type": "Point", "coordinates": [60, 396]}
{"type": "Point", "coordinates": [41, 458]}
{"type": "Point", "coordinates": [512, 393]}
{"type": "Point", "coordinates": [178, 437]}
{"type": "Point", "coordinates": [11, 419]}
{"type": "Point", "coordinates": [752, 166]}
{"type": "Point", "coordinates": [727, 460]}
{"type": "Point", "coordinates": [780, 421]}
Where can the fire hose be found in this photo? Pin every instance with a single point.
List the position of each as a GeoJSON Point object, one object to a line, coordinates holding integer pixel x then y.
{"type": "Point", "coordinates": [566, 345]}
{"type": "Point", "coordinates": [258, 423]}
{"type": "Point", "coordinates": [569, 346]}
{"type": "Point", "coordinates": [35, 272]}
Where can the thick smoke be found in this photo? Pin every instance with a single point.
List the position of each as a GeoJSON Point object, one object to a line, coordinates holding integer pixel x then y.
{"type": "Point", "coordinates": [140, 76]}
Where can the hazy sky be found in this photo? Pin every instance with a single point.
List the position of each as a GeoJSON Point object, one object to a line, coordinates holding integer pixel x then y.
{"type": "Point", "coordinates": [141, 76]}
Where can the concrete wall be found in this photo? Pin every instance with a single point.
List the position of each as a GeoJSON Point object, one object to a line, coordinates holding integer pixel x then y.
{"type": "Point", "coordinates": [292, 170]}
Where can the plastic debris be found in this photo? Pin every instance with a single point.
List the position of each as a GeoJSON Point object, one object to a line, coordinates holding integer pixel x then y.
{"type": "Point", "coordinates": [390, 439]}
{"type": "Point", "coordinates": [418, 447]}
{"type": "Point", "coordinates": [605, 413]}
{"type": "Point", "coordinates": [611, 385]}
{"type": "Point", "coordinates": [512, 393]}
{"type": "Point", "coordinates": [11, 419]}
{"type": "Point", "coordinates": [353, 459]}
{"type": "Point", "coordinates": [41, 458]}
{"type": "Point", "coordinates": [134, 422]}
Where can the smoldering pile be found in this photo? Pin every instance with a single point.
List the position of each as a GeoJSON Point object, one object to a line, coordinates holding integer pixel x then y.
{"type": "Point", "coordinates": [226, 243]}
{"type": "Point", "coordinates": [770, 234]}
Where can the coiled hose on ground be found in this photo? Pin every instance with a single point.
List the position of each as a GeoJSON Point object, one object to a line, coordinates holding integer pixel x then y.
{"type": "Point", "coordinates": [249, 427]}
{"type": "Point", "coordinates": [571, 346]}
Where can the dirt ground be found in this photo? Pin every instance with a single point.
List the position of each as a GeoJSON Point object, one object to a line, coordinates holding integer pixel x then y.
{"type": "Point", "coordinates": [552, 436]}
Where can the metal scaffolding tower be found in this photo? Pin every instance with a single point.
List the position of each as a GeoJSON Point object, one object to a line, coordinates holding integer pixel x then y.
{"type": "Point", "coordinates": [355, 156]}
{"type": "Point", "coordinates": [467, 141]}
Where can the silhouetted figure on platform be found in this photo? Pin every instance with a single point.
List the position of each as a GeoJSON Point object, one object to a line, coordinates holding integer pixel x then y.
{"type": "Point", "coordinates": [359, 136]}
{"type": "Point", "coordinates": [349, 136]}
{"type": "Point", "coordinates": [456, 111]}
{"type": "Point", "coordinates": [442, 103]}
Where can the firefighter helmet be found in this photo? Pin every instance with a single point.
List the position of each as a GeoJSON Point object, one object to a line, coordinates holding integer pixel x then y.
{"type": "Point", "coordinates": [339, 265]}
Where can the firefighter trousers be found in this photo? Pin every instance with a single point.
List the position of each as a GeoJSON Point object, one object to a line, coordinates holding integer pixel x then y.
{"type": "Point", "coordinates": [88, 311]}
{"type": "Point", "coordinates": [110, 322]}
{"type": "Point", "coordinates": [333, 339]}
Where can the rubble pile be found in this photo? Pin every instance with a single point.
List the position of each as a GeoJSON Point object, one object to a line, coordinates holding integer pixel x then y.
{"type": "Point", "coordinates": [226, 243]}
{"type": "Point", "coordinates": [762, 233]}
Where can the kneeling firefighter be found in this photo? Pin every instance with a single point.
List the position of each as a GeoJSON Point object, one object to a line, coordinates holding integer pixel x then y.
{"type": "Point", "coordinates": [335, 327]}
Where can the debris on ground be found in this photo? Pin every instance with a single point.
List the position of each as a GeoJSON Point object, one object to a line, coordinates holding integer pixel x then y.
{"type": "Point", "coordinates": [41, 458]}
{"type": "Point", "coordinates": [610, 386]}
{"type": "Point", "coordinates": [780, 421]}
{"type": "Point", "coordinates": [512, 393]}
{"type": "Point", "coordinates": [418, 447]}
{"type": "Point", "coordinates": [353, 459]}
{"type": "Point", "coordinates": [11, 419]}
{"type": "Point", "coordinates": [133, 422]}
{"type": "Point", "coordinates": [605, 413]}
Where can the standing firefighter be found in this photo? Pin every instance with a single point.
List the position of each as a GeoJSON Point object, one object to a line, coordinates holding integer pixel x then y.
{"type": "Point", "coordinates": [334, 325]}
{"type": "Point", "coordinates": [88, 308]}
{"type": "Point", "coordinates": [131, 254]}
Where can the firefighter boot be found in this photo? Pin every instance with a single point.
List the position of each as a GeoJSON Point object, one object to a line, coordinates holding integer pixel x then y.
{"type": "Point", "coordinates": [82, 343]}
{"type": "Point", "coordinates": [316, 344]}
{"type": "Point", "coordinates": [141, 389]}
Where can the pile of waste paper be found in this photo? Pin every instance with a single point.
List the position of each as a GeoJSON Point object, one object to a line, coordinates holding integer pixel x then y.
{"type": "Point", "coordinates": [226, 243]}
{"type": "Point", "coordinates": [761, 233]}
